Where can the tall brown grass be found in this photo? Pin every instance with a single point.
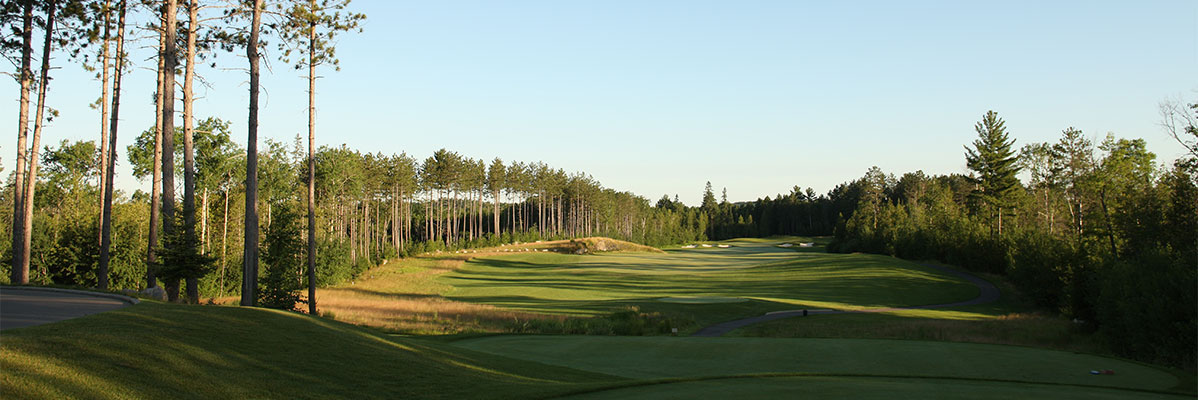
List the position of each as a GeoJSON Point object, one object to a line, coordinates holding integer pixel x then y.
{"type": "Point", "coordinates": [403, 296]}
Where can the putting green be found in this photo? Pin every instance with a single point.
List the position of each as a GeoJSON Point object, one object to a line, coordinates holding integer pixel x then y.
{"type": "Point", "coordinates": [701, 300]}
{"type": "Point", "coordinates": [885, 363]}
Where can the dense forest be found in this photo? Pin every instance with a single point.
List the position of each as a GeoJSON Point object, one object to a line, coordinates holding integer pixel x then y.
{"type": "Point", "coordinates": [370, 207]}
{"type": "Point", "coordinates": [1101, 233]}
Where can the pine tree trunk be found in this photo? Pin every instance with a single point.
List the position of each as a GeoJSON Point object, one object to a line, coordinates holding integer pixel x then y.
{"type": "Point", "coordinates": [31, 178]}
{"type": "Point", "coordinates": [189, 183]}
{"type": "Point", "coordinates": [364, 228]}
{"type": "Point", "coordinates": [250, 254]}
{"type": "Point", "coordinates": [311, 166]}
{"type": "Point", "coordinates": [224, 244]}
{"type": "Point", "coordinates": [20, 269]}
{"type": "Point", "coordinates": [156, 182]}
{"type": "Point", "coordinates": [109, 167]}
{"type": "Point", "coordinates": [104, 120]}
{"type": "Point", "coordinates": [169, 64]}
{"type": "Point", "coordinates": [205, 248]}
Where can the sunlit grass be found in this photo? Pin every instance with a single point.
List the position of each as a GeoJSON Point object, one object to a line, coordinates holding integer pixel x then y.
{"type": "Point", "coordinates": [776, 278]}
{"type": "Point", "coordinates": [495, 289]}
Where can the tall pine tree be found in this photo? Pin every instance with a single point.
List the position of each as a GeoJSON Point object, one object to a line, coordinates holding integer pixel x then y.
{"type": "Point", "coordinates": [993, 161]}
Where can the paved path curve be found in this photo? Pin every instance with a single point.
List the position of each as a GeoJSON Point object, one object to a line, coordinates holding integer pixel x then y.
{"type": "Point", "coordinates": [988, 294]}
{"type": "Point", "coordinates": [28, 306]}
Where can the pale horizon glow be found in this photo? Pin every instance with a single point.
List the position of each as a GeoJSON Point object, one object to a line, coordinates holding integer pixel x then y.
{"type": "Point", "coordinates": [660, 97]}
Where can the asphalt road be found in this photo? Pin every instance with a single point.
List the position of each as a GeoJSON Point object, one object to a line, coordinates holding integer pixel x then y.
{"type": "Point", "coordinates": [21, 307]}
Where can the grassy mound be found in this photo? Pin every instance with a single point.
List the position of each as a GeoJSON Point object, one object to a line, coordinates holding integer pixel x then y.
{"type": "Point", "coordinates": [604, 245]}
{"type": "Point", "coordinates": [156, 350]}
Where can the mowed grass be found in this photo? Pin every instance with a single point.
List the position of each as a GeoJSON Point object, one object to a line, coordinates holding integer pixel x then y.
{"type": "Point", "coordinates": [862, 367]}
{"type": "Point", "coordinates": [405, 296]}
{"type": "Point", "coordinates": [772, 278]}
{"type": "Point", "coordinates": [858, 387]}
{"type": "Point", "coordinates": [157, 350]}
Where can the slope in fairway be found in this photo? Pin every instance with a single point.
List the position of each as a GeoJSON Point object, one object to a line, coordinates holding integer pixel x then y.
{"type": "Point", "coordinates": [688, 357]}
{"type": "Point", "coordinates": [155, 350]}
{"type": "Point", "coordinates": [774, 278]}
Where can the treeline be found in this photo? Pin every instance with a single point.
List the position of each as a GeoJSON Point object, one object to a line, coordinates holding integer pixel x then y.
{"type": "Point", "coordinates": [206, 233]}
{"type": "Point", "coordinates": [370, 207]}
{"type": "Point", "coordinates": [1100, 233]}
{"type": "Point", "coordinates": [800, 212]}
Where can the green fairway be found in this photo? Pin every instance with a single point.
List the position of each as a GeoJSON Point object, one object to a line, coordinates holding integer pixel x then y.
{"type": "Point", "coordinates": [678, 282]}
{"type": "Point", "coordinates": [1003, 370]}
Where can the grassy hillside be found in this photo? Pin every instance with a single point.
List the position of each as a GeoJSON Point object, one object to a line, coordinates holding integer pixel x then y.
{"type": "Point", "coordinates": [156, 350]}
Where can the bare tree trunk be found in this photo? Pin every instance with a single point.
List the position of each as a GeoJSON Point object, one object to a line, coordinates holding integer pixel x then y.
{"type": "Point", "coordinates": [1110, 228]}
{"type": "Point", "coordinates": [394, 217]}
{"type": "Point", "coordinates": [189, 181]}
{"type": "Point", "coordinates": [31, 180]}
{"type": "Point", "coordinates": [20, 268]}
{"type": "Point", "coordinates": [110, 162]}
{"type": "Point", "coordinates": [204, 222]}
{"type": "Point", "coordinates": [156, 184]}
{"type": "Point", "coordinates": [312, 165]}
{"type": "Point", "coordinates": [249, 285]}
{"type": "Point", "coordinates": [365, 236]}
{"type": "Point", "coordinates": [169, 63]}
{"type": "Point", "coordinates": [224, 244]}
{"type": "Point", "coordinates": [104, 58]}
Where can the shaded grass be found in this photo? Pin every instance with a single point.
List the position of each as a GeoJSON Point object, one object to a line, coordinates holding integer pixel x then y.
{"type": "Point", "coordinates": [859, 387]}
{"type": "Point", "coordinates": [1010, 320]}
{"type": "Point", "coordinates": [689, 357]}
{"type": "Point", "coordinates": [156, 350]}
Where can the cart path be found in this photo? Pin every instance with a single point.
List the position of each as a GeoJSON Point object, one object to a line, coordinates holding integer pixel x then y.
{"type": "Point", "coordinates": [987, 294]}
{"type": "Point", "coordinates": [21, 306]}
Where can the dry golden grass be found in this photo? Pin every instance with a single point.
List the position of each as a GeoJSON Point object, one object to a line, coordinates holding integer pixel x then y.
{"type": "Point", "coordinates": [402, 296]}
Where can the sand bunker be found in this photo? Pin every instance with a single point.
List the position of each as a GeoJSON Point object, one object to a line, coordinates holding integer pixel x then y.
{"type": "Point", "coordinates": [701, 299]}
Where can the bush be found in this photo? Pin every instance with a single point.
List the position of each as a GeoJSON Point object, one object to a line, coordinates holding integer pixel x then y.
{"type": "Point", "coordinates": [1148, 309]}
{"type": "Point", "coordinates": [1040, 264]}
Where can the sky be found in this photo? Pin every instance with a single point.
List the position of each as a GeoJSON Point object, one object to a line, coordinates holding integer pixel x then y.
{"type": "Point", "coordinates": [659, 97]}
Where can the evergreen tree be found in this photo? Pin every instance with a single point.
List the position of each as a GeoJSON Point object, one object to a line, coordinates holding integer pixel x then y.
{"type": "Point", "coordinates": [994, 162]}
{"type": "Point", "coordinates": [284, 258]}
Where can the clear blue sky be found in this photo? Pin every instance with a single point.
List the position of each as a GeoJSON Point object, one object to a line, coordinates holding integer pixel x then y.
{"type": "Point", "coordinates": [658, 97]}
